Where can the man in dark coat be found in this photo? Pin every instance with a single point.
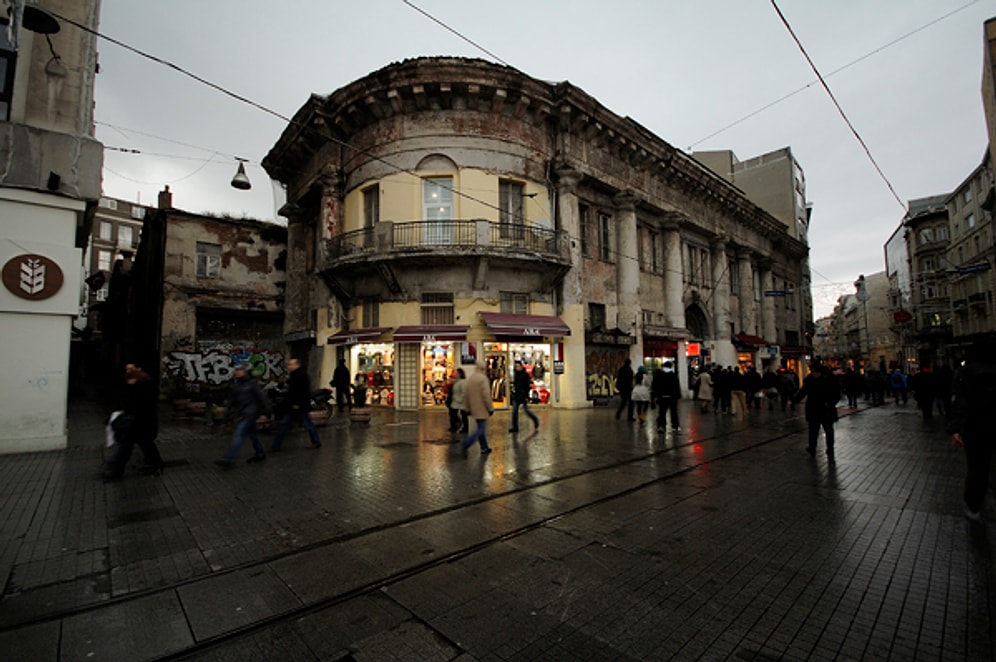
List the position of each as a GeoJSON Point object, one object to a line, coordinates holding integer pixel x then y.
{"type": "Point", "coordinates": [924, 390]}
{"type": "Point", "coordinates": [821, 391]}
{"type": "Point", "coordinates": [666, 391]}
{"type": "Point", "coordinates": [521, 385]}
{"type": "Point", "coordinates": [624, 384]}
{"type": "Point", "coordinates": [340, 382]}
{"type": "Point", "coordinates": [246, 401]}
{"type": "Point", "coordinates": [298, 407]}
{"type": "Point", "coordinates": [971, 419]}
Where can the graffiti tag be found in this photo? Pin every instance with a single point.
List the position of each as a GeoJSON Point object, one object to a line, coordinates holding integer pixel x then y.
{"type": "Point", "coordinates": [217, 367]}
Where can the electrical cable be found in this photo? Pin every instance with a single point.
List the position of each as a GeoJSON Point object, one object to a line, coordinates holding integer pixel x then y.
{"type": "Point", "coordinates": [840, 110]}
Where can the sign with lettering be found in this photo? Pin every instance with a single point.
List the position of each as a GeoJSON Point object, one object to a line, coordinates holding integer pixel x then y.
{"type": "Point", "coordinates": [558, 367]}
{"type": "Point", "coordinates": [32, 277]}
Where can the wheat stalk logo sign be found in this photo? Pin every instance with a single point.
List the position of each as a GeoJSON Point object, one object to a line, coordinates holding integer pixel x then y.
{"type": "Point", "coordinates": [32, 277]}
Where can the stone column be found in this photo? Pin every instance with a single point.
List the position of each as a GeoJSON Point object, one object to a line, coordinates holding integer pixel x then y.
{"type": "Point", "coordinates": [570, 390]}
{"type": "Point", "coordinates": [723, 350]}
{"type": "Point", "coordinates": [768, 331]}
{"type": "Point", "coordinates": [628, 273]}
{"type": "Point", "coordinates": [674, 306]}
{"type": "Point", "coordinates": [746, 293]}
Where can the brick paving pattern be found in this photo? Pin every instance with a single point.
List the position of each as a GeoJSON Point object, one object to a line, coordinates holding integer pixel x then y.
{"type": "Point", "coordinates": [588, 540]}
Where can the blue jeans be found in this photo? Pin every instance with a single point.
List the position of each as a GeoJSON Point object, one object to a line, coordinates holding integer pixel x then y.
{"type": "Point", "coordinates": [298, 416]}
{"type": "Point", "coordinates": [244, 428]}
{"type": "Point", "coordinates": [480, 433]}
{"type": "Point", "coordinates": [515, 414]}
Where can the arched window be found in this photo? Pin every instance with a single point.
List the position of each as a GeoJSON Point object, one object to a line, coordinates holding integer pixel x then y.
{"type": "Point", "coordinates": [697, 323]}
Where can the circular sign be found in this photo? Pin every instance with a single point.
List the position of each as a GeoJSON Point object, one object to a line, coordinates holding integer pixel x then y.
{"type": "Point", "coordinates": [32, 277]}
{"type": "Point", "coordinates": [902, 316]}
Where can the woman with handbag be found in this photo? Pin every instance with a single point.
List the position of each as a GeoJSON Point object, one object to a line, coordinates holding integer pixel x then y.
{"type": "Point", "coordinates": [137, 424]}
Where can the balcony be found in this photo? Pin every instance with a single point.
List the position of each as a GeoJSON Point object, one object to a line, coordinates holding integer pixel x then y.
{"type": "Point", "coordinates": [400, 246]}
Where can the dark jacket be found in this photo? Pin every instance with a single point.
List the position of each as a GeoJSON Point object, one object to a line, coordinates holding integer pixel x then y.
{"type": "Point", "coordinates": [140, 404]}
{"type": "Point", "coordinates": [521, 385]}
{"type": "Point", "coordinates": [821, 394]}
{"type": "Point", "coordinates": [299, 390]}
{"type": "Point", "coordinates": [340, 378]}
{"type": "Point", "coordinates": [665, 385]}
{"type": "Point", "coordinates": [624, 379]}
{"type": "Point", "coordinates": [246, 399]}
{"type": "Point", "coordinates": [973, 392]}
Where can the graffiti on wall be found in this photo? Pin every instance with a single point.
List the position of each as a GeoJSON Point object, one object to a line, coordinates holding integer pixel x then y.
{"type": "Point", "coordinates": [600, 366]}
{"type": "Point", "coordinates": [217, 365]}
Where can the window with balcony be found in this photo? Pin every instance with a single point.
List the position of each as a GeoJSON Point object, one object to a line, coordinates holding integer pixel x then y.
{"type": "Point", "coordinates": [106, 230]}
{"type": "Point", "coordinates": [515, 303]}
{"type": "Point", "coordinates": [437, 308]}
{"type": "Point", "coordinates": [604, 238]}
{"type": "Point", "coordinates": [437, 209]}
{"type": "Point", "coordinates": [510, 213]}
{"type": "Point", "coordinates": [208, 260]}
{"type": "Point", "coordinates": [371, 206]}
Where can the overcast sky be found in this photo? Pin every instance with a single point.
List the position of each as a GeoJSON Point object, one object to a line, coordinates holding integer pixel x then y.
{"type": "Point", "coordinates": [683, 69]}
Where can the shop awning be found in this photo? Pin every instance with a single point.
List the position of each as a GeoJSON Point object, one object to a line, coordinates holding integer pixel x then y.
{"type": "Point", "coordinates": [353, 336]}
{"type": "Point", "coordinates": [747, 340]}
{"type": "Point", "coordinates": [508, 324]}
{"type": "Point", "coordinates": [430, 333]}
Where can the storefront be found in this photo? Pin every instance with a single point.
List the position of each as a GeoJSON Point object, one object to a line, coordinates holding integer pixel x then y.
{"type": "Point", "coordinates": [525, 338]}
{"type": "Point", "coordinates": [658, 350]}
{"type": "Point", "coordinates": [437, 356]}
{"type": "Point", "coordinates": [754, 351]}
{"type": "Point", "coordinates": [367, 354]}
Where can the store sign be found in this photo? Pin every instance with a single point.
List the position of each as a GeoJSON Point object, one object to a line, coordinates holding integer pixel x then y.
{"type": "Point", "coordinates": [558, 367]}
{"type": "Point", "coordinates": [32, 277]}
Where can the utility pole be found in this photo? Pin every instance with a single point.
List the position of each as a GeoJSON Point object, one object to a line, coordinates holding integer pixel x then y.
{"type": "Point", "coordinates": [861, 293]}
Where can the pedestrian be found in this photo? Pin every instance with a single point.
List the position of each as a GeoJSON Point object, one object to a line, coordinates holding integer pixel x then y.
{"type": "Point", "coordinates": [821, 392]}
{"type": "Point", "coordinates": [897, 381]}
{"type": "Point", "coordinates": [970, 421]}
{"type": "Point", "coordinates": [943, 379]}
{"type": "Point", "coordinates": [752, 383]}
{"type": "Point", "coordinates": [666, 391]}
{"type": "Point", "coordinates": [705, 390]}
{"type": "Point", "coordinates": [738, 393]}
{"type": "Point", "coordinates": [641, 395]}
{"type": "Point", "coordinates": [624, 384]}
{"type": "Point", "coordinates": [521, 385]}
{"type": "Point", "coordinates": [769, 386]}
{"type": "Point", "coordinates": [459, 394]}
{"type": "Point", "coordinates": [788, 386]}
{"type": "Point", "coordinates": [137, 424]}
{"type": "Point", "coordinates": [298, 407]}
{"type": "Point", "coordinates": [720, 390]}
{"type": "Point", "coordinates": [924, 387]}
{"type": "Point", "coordinates": [453, 412]}
{"type": "Point", "coordinates": [479, 404]}
{"type": "Point", "coordinates": [246, 401]}
{"type": "Point", "coordinates": [852, 387]}
{"type": "Point", "coordinates": [340, 382]}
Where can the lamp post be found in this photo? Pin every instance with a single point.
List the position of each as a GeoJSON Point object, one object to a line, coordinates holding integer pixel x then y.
{"type": "Point", "coordinates": [861, 293]}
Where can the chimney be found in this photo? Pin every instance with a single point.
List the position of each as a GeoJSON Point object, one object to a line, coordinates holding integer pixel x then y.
{"type": "Point", "coordinates": [165, 198]}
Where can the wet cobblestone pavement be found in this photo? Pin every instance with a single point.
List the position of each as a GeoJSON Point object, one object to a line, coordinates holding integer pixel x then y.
{"type": "Point", "coordinates": [587, 539]}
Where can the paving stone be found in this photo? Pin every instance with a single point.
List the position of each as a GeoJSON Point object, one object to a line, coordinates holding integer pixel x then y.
{"type": "Point", "coordinates": [37, 643]}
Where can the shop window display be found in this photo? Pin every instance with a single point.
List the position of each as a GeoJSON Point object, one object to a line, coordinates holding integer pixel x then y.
{"type": "Point", "coordinates": [437, 364]}
{"type": "Point", "coordinates": [376, 364]}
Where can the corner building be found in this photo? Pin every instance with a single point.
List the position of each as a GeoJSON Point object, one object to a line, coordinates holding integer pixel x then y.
{"type": "Point", "coordinates": [445, 209]}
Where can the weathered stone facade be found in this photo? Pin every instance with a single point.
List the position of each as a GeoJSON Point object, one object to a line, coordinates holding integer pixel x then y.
{"type": "Point", "coordinates": [546, 198]}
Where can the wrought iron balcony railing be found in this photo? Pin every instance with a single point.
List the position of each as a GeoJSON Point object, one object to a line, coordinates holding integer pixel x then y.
{"type": "Point", "coordinates": [449, 237]}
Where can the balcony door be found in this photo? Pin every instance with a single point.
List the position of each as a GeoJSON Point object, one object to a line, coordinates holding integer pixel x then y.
{"type": "Point", "coordinates": [437, 209]}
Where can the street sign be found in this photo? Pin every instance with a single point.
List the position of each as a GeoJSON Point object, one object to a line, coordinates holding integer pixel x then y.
{"type": "Point", "coordinates": [902, 316]}
{"type": "Point", "coordinates": [774, 293]}
{"type": "Point", "coordinates": [974, 268]}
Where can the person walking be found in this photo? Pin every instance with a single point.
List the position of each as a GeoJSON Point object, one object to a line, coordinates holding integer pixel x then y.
{"type": "Point", "coordinates": [705, 390]}
{"type": "Point", "coordinates": [788, 386]}
{"type": "Point", "coordinates": [298, 407]}
{"type": "Point", "coordinates": [521, 385]}
{"type": "Point", "coordinates": [769, 386]}
{"type": "Point", "coordinates": [738, 393]}
{"type": "Point", "coordinates": [641, 395]}
{"type": "Point", "coordinates": [459, 400]}
{"type": "Point", "coordinates": [852, 387]}
{"type": "Point", "coordinates": [898, 384]}
{"type": "Point", "coordinates": [666, 391]}
{"type": "Point", "coordinates": [970, 422]}
{"type": "Point", "coordinates": [340, 382]}
{"type": "Point", "coordinates": [246, 401]}
{"type": "Point", "coordinates": [479, 404]}
{"type": "Point", "coordinates": [137, 424]}
{"type": "Point", "coordinates": [821, 392]}
{"type": "Point", "coordinates": [624, 384]}
{"type": "Point", "coordinates": [924, 387]}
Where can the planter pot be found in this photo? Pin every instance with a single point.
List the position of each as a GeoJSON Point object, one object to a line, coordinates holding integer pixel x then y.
{"type": "Point", "coordinates": [180, 404]}
{"type": "Point", "coordinates": [196, 408]}
{"type": "Point", "coordinates": [360, 414]}
{"type": "Point", "coordinates": [319, 418]}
